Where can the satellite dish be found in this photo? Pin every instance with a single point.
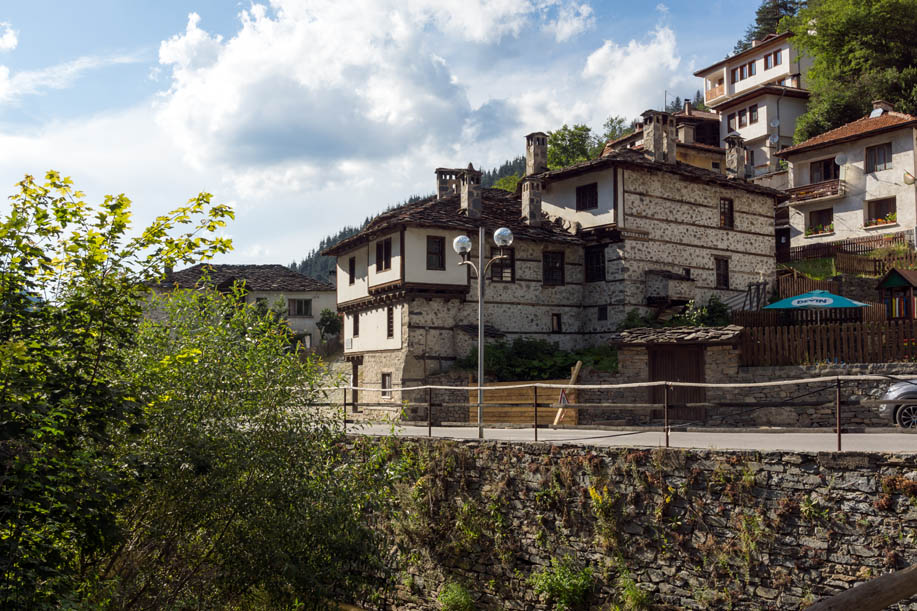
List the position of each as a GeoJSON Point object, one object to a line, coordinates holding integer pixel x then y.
{"type": "Point", "coordinates": [774, 139]}
{"type": "Point", "coordinates": [840, 159]}
{"type": "Point", "coordinates": [775, 123]}
{"type": "Point", "coordinates": [908, 178]}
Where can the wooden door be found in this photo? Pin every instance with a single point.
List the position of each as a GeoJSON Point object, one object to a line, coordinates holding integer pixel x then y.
{"type": "Point", "coordinates": [677, 364]}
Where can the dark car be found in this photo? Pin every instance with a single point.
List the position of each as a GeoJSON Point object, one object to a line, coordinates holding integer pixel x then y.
{"type": "Point", "coordinates": [904, 415]}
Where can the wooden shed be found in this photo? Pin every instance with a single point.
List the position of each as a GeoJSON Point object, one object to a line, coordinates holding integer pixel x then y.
{"type": "Point", "coordinates": [897, 289]}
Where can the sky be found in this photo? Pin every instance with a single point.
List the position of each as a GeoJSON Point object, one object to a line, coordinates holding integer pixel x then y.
{"type": "Point", "coordinates": [309, 115]}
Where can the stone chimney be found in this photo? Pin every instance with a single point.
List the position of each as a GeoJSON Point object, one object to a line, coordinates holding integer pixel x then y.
{"type": "Point", "coordinates": [446, 182]}
{"type": "Point", "coordinates": [686, 133]}
{"type": "Point", "coordinates": [885, 106]}
{"type": "Point", "coordinates": [470, 182]}
{"type": "Point", "coordinates": [536, 153]}
{"type": "Point", "coordinates": [531, 201]}
{"type": "Point", "coordinates": [688, 107]}
{"type": "Point", "coordinates": [735, 156]}
{"type": "Point", "coordinates": [659, 136]}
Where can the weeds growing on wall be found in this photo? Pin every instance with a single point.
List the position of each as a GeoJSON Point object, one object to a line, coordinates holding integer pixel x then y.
{"type": "Point", "coordinates": [564, 584]}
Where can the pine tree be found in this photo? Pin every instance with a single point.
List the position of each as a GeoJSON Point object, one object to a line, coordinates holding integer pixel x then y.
{"type": "Point", "coordinates": [767, 19]}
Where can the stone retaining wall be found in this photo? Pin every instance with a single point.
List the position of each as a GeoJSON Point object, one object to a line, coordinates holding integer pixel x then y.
{"type": "Point", "coordinates": [689, 529]}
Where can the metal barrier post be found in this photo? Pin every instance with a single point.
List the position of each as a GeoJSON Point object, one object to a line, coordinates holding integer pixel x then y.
{"type": "Point", "coordinates": [535, 405]}
{"type": "Point", "coordinates": [837, 411]}
{"type": "Point", "coordinates": [429, 412]}
{"type": "Point", "coordinates": [665, 412]}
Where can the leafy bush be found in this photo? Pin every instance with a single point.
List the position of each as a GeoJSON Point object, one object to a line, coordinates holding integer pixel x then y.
{"type": "Point", "coordinates": [454, 597]}
{"type": "Point", "coordinates": [563, 584]}
{"type": "Point", "coordinates": [537, 359]}
{"type": "Point", "coordinates": [714, 314]}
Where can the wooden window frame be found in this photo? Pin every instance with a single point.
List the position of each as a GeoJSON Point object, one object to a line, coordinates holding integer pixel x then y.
{"type": "Point", "coordinates": [768, 61]}
{"type": "Point", "coordinates": [727, 213]}
{"type": "Point", "coordinates": [734, 76]}
{"type": "Point", "coordinates": [752, 114]}
{"type": "Point", "coordinates": [553, 254]}
{"type": "Point", "coordinates": [731, 122]}
{"type": "Point", "coordinates": [293, 308]}
{"type": "Point", "coordinates": [499, 267]}
{"type": "Point", "coordinates": [871, 216]}
{"type": "Point", "coordinates": [352, 270]}
{"type": "Point", "coordinates": [821, 164]}
{"type": "Point", "coordinates": [384, 255]}
{"type": "Point", "coordinates": [742, 117]}
{"type": "Point", "coordinates": [872, 164]}
{"type": "Point", "coordinates": [751, 69]}
{"type": "Point", "coordinates": [778, 57]}
{"type": "Point", "coordinates": [594, 270]}
{"type": "Point", "coordinates": [810, 223]}
{"type": "Point", "coordinates": [390, 322]}
{"type": "Point", "coordinates": [721, 272]}
{"type": "Point", "coordinates": [587, 197]}
{"type": "Point", "coordinates": [438, 242]}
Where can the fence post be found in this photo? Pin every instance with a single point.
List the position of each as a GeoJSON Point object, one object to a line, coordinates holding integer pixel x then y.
{"type": "Point", "coordinates": [665, 412]}
{"type": "Point", "coordinates": [837, 410]}
{"type": "Point", "coordinates": [429, 412]}
{"type": "Point", "coordinates": [535, 405]}
{"type": "Point", "coordinates": [344, 411]}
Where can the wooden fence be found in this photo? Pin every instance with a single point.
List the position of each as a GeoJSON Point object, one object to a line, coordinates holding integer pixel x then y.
{"type": "Point", "coordinates": [870, 342]}
{"type": "Point", "coordinates": [847, 263]}
{"type": "Point", "coordinates": [507, 405]}
{"type": "Point", "coordinates": [857, 246]}
{"type": "Point", "coordinates": [876, 312]}
{"type": "Point", "coordinates": [790, 286]}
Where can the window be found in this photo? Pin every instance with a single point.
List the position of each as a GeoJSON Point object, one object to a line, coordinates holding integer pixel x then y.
{"type": "Point", "coordinates": [595, 264]}
{"type": "Point", "coordinates": [556, 325]}
{"type": "Point", "coordinates": [820, 221]}
{"type": "Point", "coordinates": [731, 121]}
{"type": "Point", "coordinates": [727, 219]}
{"type": "Point", "coordinates": [503, 270]}
{"type": "Point", "coordinates": [386, 386]}
{"type": "Point", "coordinates": [751, 68]}
{"type": "Point", "coordinates": [436, 252]}
{"type": "Point", "coordinates": [356, 324]}
{"type": "Point", "coordinates": [768, 61]}
{"type": "Point", "coordinates": [753, 113]}
{"type": "Point", "coordinates": [715, 165]}
{"type": "Point", "coordinates": [743, 72]}
{"type": "Point", "coordinates": [822, 170]}
{"type": "Point", "coordinates": [587, 197]}
{"type": "Point", "coordinates": [743, 118]}
{"type": "Point", "coordinates": [384, 255]}
{"type": "Point", "coordinates": [734, 75]}
{"type": "Point", "coordinates": [721, 265]}
{"type": "Point", "coordinates": [778, 57]}
{"type": "Point", "coordinates": [553, 268]}
{"type": "Point", "coordinates": [602, 312]}
{"type": "Point", "coordinates": [390, 322]}
{"type": "Point", "coordinates": [352, 270]}
{"type": "Point", "coordinates": [881, 212]}
{"type": "Point", "coordinates": [299, 307]}
{"type": "Point", "coordinates": [879, 157]}
{"type": "Point", "coordinates": [749, 159]}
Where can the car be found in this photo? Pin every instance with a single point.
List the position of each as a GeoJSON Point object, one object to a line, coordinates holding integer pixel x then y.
{"type": "Point", "coordinates": [904, 415]}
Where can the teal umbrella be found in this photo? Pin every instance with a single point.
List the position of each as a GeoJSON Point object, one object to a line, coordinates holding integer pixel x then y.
{"type": "Point", "coordinates": [815, 300]}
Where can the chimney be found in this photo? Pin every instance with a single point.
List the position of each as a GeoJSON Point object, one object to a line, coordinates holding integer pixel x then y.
{"type": "Point", "coordinates": [446, 182]}
{"type": "Point", "coordinates": [470, 182]}
{"type": "Point", "coordinates": [659, 136]}
{"type": "Point", "coordinates": [688, 108]}
{"type": "Point", "coordinates": [686, 133]}
{"type": "Point", "coordinates": [531, 201]}
{"type": "Point", "coordinates": [885, 106]}
{"type": "Point", "coordinates": [536, 153]}
{"type": "Point", "coordinates": [735, 156]}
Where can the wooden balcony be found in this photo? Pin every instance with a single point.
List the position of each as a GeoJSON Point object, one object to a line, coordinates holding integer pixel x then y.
{"type": "Point", "coordinates": [816, 191]}
{"type": "Point", "coordinates": [714, 93]}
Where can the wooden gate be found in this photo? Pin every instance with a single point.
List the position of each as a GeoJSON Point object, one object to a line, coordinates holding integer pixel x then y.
{"type": "Point", "coordinates": [678, 364]}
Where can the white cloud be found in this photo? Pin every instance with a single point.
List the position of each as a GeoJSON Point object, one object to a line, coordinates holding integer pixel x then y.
{"type": "Point", "coordinates": [572, 19]}
{"type": "Point", "coordinates": [61, 76]}
{"type": "Point", "coordinates": [9, 37]}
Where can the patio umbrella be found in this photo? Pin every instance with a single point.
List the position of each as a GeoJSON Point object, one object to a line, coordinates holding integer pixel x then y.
{"type": "Point", "coordinates": [815, 300]}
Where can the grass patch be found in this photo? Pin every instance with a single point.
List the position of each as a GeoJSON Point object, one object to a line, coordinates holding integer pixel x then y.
{"type": "Point", "coordinates": [817, 269]}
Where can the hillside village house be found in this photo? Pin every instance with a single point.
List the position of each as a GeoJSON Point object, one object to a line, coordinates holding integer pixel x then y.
{"type": "Point", "coordinates": [300, 297]}
{"type": "Point", "coordinates": [759, 94]}
{"type": "Point", "coordinates": [854, 181]}
{"type": "Point", "coordinates": [592, 241]}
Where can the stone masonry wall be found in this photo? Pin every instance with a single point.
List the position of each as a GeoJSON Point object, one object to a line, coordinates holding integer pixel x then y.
{"type": "Point", "coordinates": [671, 529]}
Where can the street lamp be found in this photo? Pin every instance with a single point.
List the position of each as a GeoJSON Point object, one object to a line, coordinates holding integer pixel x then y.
{"type": "Point", "coordinates": [503, 237]}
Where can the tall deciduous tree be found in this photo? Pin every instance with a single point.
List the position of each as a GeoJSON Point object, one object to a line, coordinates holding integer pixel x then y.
{"type": "Point", "coordinates": [569, 145]}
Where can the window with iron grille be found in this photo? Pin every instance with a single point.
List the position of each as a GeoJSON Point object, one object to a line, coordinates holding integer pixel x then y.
{"type": "Point", "coordinates": [727, 219]}
{"type": "Point", "coordinates": [556, 325]}
{"type": "Point", "coordinates": [352, 269]}
{"type": "Point", "coordinates": [299, 307]}
{"type": "Point", "coordinates": [587, 197]}
{"type": "Point", "coordinates": [553, 268]}
{"type": "Point", "coordinates": [386, 386]}
{"type": "Point", "coordinates": [721, 265]}
{"type": "Point", "coordinates": [879, 157]}
{"type": "Point", "coordinates": [503, 270]}
{"type": "Point", "coordinates": [384, 255]}
{"type": "Point", "coordinates": [602, 312]}
{"type": "Point", "coordinates": [595, 264]}
{"type": "Point", "coordinates": [436, 252]}
{"type": "Point", "coordinates": [390, 321]}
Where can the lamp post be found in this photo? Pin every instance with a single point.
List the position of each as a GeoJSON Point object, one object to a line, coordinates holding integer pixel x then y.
{"type": "Point", "coordinates": [503, 237]}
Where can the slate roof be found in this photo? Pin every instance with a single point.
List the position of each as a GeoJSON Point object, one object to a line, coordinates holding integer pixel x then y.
{"type": "Point", "coordinates": [866, 126]}
{"type": "Point", "coordinates": [499, 208]}
{"type": "Point", "coordinates": [645, 336]}
{"type": "Point", "coordinates": [256, 278]}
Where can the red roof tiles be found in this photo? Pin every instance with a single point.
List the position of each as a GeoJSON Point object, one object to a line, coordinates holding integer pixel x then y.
{"type": "Point", "coordinates": [851, 131]}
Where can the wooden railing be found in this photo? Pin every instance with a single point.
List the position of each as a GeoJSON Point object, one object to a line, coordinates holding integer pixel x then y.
{"type": "Point", "coordinates": [868, 342]}
{"type": "Point", "coordinates": [827, 188]}
{"type": "Point", "coordinates": [857, 246]}
{"type": "Point", "coordinates": [876, 312]}
{"type": "Point", "coordinates": [714, 92]}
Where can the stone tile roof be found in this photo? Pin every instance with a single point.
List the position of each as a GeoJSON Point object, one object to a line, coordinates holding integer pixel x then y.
{"type": "Point", "coordinates": [851, 131]}
{"type": "Point", "coordinates": [677, 335]}
{"type": "Point", "coordinates": [256, 278]}
{"type": "Point", "coordinates": [702, 115]}
{"type": "Point", "coordinates": [499, 208]}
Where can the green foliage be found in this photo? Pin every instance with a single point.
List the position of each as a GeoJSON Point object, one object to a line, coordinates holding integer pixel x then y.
{"type": "Point", "coordinates": [329, 323]}
{"type": "Point", "coordinates": [70, 294]}
{"type": "Point", "coordinates": [536, 359]}
{"type": "Point", "coordinates": [564, 584]}
{"type": "Point", "coordinates": [515, 167]}
{"type": "Point", "coordinates": [767, 21]}
{"type": "Point", "coordinates": [508, 183]}
{"type": "Point", "coordinates": [862, 51]}
{"type": "Point", "coordinates": [817, 269]}
{"type": "Point", "coordinates": [454, 597]}
{"type": "Point", "coordinates": [569, 145]}
{"type": "Point", "coordinates": [629, 595]}
{"type": "Point", "coordinates": [615, 126]}
{"type": "Point", "coordinates": [714, 314]}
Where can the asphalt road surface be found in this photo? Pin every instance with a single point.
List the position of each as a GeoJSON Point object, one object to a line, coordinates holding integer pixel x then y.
{"type": "Point", "coordinates": [721, 440]}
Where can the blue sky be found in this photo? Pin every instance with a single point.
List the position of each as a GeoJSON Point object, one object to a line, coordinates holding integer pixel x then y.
{"type": "Point", "coordinates": [309, 115]}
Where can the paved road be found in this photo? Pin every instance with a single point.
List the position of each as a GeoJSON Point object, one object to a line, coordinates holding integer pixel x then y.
{"type": "Point", "coordinates": [812, 442]}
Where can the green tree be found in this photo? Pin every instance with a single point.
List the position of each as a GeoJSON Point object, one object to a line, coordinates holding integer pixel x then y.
{"type": "Point", "coordinates": [569, 145]}
{"type": "Point", "coordinates": [615, 126]}
{"type": "Point", "coordinates": [508, 183]}
{"type": "Point", "coordinates": [862, 50]}
{"type": "Point", "coordinates": [329, 323]}
{"type": "Point", "coordinates": [698, 101]}
{"type": "Point", "coordinates": [71, 284]}
{"type": "Point", "coordinates": [767, 21]}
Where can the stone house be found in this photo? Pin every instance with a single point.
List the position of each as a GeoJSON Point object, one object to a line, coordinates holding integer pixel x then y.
{"type": "Point", "coordinates": [759, 94]}
{"type": "Point", "coordinates": [629, 230]}
{"type": "Point", "coordinates": [855, 181]}
{"type": "Point", "coordinates": [300, 297]}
